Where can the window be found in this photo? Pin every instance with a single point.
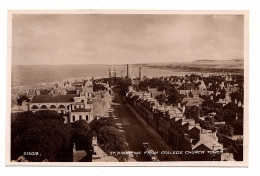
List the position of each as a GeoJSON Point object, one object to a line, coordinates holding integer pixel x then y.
{"type": "Point", "coordinates": [87, 117]}
{"type": "Point", "coordinates": [80, 117]}
{"type": "Point", "coordinates": [73, 118]}
{"type": "Point", "coordinates": [75, 107]}
{"type": "Point", "coordinates": [82, 101]}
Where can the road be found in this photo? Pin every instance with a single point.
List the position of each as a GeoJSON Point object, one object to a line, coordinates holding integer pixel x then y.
{"type": "Point", "coordinates": [136, 132]}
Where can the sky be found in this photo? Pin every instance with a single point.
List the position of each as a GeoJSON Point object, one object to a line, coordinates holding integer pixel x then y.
{"type": "Point", "coordinates": [55, 39]}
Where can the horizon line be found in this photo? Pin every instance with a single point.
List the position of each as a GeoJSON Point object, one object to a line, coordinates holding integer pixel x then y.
{"type": "Point", "coordinates": [126, 63]}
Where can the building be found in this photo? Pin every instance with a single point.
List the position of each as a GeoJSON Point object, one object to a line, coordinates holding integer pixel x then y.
{"type": "Point", "coordinates": [182, 134]}
{"type": "Point", "coordinates": [129, 67]}
{"type": "Point", "coordinates": [73, 106]}
{"type": "Point", "coordinates": [140, 73]}
{"type": "Point", "coordinates": [112, 73]}
{"type": "Point", "coordinates": [22, 108]}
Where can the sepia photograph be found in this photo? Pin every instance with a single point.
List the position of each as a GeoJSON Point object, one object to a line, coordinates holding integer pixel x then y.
{"type": "Point", "coordinates": [127, 88]}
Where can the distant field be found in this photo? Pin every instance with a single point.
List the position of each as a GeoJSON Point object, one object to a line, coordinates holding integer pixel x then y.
{"type": "Point", "coordinates": [236, 66]}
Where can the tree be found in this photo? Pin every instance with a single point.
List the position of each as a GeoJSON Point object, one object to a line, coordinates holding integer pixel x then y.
{"type": "Point", "coordinates": [173, 96]}
{"type": "Point", "coordinates": [110, 139]}
{"type": "Point", "coordinates": [81, 135]}
{"type": "Point", "coordinates": [192, 112]}
{"type": "Point", "coordinates": [96, 125]}
{"type": "Point", "coordinates": [229, 115]}
{"type": "Point", "coordinates": [21, 99]}
{"type": "Point", "coordinates": [231, 106]}
{"type": "Point", "coordinates": [238, 126]}
{"type": "Point", "coordinates": [98, 87]}
{"type": "Point", "coordinates": [161, 98]}
{"type": "Point", "coordinates": [218, 117]}
{"type": "Point", "coordinates": [227, 130]}
{"type": "Point", "coordinates": [237, 95]}
{"type": "Point", "coordinates": [43, 132]}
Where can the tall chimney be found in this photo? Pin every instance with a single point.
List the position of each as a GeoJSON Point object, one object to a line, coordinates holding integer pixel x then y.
{"type": "Point", "coordinates": [140, 73]}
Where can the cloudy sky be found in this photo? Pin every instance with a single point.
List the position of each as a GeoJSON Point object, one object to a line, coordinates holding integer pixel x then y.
{"type": "Point", "coordinates": [119, 39]}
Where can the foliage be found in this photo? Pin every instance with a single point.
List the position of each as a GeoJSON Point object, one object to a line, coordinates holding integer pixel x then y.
{"type": "Point", "coordinates": [110, 139]}
{"type": "Point", "coordinates": [192, 112]}
{"type": "Point", "coordinates": [162, 98]}
{"type": "Point", "coordinates": [43, 132]}
{"type": "Point", "coordinates": [21, 99]}
{"type": "Point", "coordinates": [81, 135]}
{"type": "Point", "coordinates": [237, 95]}
{"type": "Point", "coordinates": [98, 87]}
{"type": "Point", "coordinates": [208, 123]}
{"type": "Point", "coordinates": [45, 91]}
{"type": "Point", "coordinates": [226, 130]}
{"type": "Point", "coordinates": [238, 126]}
{"type": "Point", "coordinates": [96, 125]}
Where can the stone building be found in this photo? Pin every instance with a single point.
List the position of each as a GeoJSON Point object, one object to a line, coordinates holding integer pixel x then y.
{"type": "Point", "coordinates": [73, 106]}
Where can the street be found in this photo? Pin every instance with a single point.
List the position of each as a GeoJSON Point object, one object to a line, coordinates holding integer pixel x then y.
{"type": "Point", "coordinates": [136, 132]}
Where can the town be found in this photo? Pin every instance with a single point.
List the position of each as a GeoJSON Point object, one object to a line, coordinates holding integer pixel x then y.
{"type": "Point", "coordinates": [91, 120]}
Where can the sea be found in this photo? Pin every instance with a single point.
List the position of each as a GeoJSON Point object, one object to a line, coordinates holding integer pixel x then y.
{"type": "Point", "coordinates": [26, 75]}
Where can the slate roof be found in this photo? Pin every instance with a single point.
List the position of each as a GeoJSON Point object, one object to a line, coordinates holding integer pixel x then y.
{"type": "Point", "coordinates": [53, 98]}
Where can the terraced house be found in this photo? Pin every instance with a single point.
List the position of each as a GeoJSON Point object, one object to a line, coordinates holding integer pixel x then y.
{"type": "Point", "coordinates": [182, 134]}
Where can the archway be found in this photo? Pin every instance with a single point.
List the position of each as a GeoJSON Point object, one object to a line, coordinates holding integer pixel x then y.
{"type": "Point", "coordinates": [53, 107]}
{"type": "Point", "coordinates": [62, 107]}
{"type": "Point", "coordinates": [44, 107]}
{"type": "Point", "coordinates": [34, 107]}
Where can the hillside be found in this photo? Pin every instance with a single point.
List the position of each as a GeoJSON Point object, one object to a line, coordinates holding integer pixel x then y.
{"type": "Point", "coordinates": [235, 66]}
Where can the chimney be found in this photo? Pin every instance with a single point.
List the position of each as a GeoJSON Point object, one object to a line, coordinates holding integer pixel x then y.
{"type": "Point", "coordinates": [140, 73]}
{"type": "Point", "coordinates": [183, 109]}
{"type": "Point", "coordinates": [236, 101]}
{"type": "Point", "coordinates": [179, 105]}
{"type": "Point", "coordinates": [239, 104]}
{"type": "Point", "coordinates": [74, 149]}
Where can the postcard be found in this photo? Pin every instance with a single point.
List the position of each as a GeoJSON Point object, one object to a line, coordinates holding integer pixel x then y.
{"type": "Point", "coordinates": [127, 88]}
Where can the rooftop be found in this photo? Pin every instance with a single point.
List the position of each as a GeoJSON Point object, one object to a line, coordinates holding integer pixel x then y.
{"type": "Point", "coordinates": [81, 110]}
{"type": "Point", "coordinates": [53, 98]}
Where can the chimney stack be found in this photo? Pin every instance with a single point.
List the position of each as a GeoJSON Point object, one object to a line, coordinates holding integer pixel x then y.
{"type": "Point", "coordinates": [183, 109]}
{"type": "Point", "coordinates": [140, 73]}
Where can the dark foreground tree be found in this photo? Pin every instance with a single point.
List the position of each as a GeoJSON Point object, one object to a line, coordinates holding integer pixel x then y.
{"type": "Point", "coordinates": [43, 132]}
{"type": "Point", "coordinates": [81, 135]}
{"type": "Point", "coordinates": [110, 139]}
{"type": "Point", "coordinates": [96, 125]}
{"type": "Point", "coordinates": [21, 99]}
